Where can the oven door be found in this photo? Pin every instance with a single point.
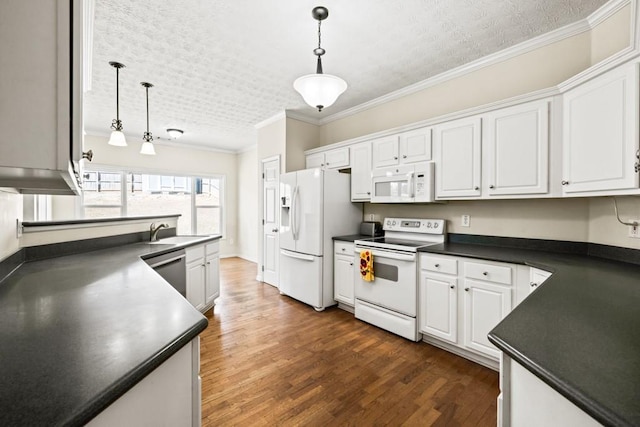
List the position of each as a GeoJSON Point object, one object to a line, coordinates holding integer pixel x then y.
{"type": "Point", "coordinates": [394, 285]}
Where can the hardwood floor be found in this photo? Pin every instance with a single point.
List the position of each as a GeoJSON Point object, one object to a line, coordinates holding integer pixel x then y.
{"type": "Point", "coordinates": [267, 359]}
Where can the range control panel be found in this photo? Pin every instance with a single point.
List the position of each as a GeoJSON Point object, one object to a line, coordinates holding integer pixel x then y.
{"type": "Point", "coordinates": [429, 226]}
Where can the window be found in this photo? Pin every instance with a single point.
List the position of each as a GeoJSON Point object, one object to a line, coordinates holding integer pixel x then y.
{"type": "Point", "coordinates": [197, 199]}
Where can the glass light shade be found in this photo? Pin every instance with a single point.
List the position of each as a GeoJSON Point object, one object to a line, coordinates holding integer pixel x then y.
{"type": "Point", "coordinates": [174, 133]}
{"type": "Point", "coordinates": [147, 148]}
{"type": "Point", "coordinates": [320, 90]}
{"type": "Point", "coordinates": [117, 139]}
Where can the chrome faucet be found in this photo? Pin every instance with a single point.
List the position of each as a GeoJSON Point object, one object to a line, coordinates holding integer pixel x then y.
{"type": "Point", "coordinates": [154, 230]}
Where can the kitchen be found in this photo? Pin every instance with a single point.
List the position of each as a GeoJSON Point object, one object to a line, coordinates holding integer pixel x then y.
{"type": "Point", "coordinates": [605, 40]}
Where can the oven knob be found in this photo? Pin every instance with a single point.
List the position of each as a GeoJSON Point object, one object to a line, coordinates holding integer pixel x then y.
{"type": "Point", "coordinates": [428, 225]}
{"type": "Point", "coordinates": [394, 223]}
{"type": "Point", "coordinates": [388, 222]}
{"type": "Point", "coordinates": [435, 225]}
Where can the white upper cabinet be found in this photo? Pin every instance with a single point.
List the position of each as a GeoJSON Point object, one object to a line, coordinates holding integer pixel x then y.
{"type": "Point", "coordinates": [41, 102]}
{"type": "Point", "coordinates": [407, 147]}
{"type": "Point", "coordinates": [457, 153]}
{"type": "Point", "coordinates": [337, 158]}
{"type": "Point", "coordinates": [415, 146]}
{"type": "Point", "coordinates": [516, 149]}
{"type": "Point", "coordinates": [600, 133]}
{"type": "Point", "coordinates": [385, 151]}
{"type": "Point", "coordinates": [361, 172]}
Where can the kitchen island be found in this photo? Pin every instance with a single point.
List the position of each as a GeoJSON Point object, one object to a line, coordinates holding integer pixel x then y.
{"type": "Point", "coordinates": [79, 331]}
{"type": "Point", "coordinates": [578, 332]}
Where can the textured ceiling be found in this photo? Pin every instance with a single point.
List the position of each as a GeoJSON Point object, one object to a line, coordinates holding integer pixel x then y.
{"type": "Point", "coordinates": [220, 67]}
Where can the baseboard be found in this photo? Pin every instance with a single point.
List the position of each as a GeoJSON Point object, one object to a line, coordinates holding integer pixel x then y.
{"type": "Point", "coordinates": [489, 363]}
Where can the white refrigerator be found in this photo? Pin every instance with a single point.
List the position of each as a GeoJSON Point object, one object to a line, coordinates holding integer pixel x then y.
{"type": "Point", "coordinates": [315, 206]}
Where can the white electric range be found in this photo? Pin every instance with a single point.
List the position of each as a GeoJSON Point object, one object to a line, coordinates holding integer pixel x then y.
{"type": "Point", "coordinates": [390, 301]}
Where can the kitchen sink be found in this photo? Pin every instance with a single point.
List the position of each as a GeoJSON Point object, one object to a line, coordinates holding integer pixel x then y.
{"type": "Point", "coordinates": [175, 240]}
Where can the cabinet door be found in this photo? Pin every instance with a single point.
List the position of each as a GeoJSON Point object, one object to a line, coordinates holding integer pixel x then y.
{"type": "Point", "coordinates": [415, 146]}
{"type": "Point", "coordinates": [361, 172]}
{"type": "Point", "coordinates": [601, 133]}
{"type": "Point", "coordinates": [336, 159]}
{"type": "Point", "coordinates": [343, 278]}
{"type": "Point", "coordinates": [315, 161]}
{"type": "Point", "coordinates": [485, 305]}
{"type": "Point", "coordinates": [385, 151]}
{"type": "Point", "coordinates": [212, 282]}
{"type": "Point", "coordinates": [537, 278]}
{"type": "Point", "coordinates": [517, 149]}
{"type": "Point", "coordinates": [195, 284]}
{"type": "Point", "coordinates": [439, 306]}
{"type": "Point", "coordinates": [457, 154]}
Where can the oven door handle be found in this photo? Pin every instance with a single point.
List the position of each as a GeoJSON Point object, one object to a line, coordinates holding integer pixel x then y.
{"type": "Point", "coordinates": [389, 255]}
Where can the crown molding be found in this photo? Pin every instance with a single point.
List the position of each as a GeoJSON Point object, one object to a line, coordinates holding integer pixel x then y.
{"type": "Point", "coordinates": [551, 37]}
{"type": "Point", "coordinates": [606, 11]}
{"type": "Point", "coordinates": [266, 122]}
{"type": "Point", "coordinates": [301, 117]}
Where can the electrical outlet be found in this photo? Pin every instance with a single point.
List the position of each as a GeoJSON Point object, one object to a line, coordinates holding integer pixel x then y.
{"type": "Point", "coordinates": [372, 217]}
{"type": "Point", "coordinates": [634, 231]}
{"type": "Point", "coordinates": [465, 221]}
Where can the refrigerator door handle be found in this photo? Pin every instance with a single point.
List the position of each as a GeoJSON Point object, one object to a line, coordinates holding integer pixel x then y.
{"type": "Point", "coordinates": [294, 205]}
{"type": "Point", "coordinates": [296, 255]}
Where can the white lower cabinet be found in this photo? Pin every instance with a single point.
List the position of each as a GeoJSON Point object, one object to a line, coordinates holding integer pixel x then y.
{"type": "Point", "coordinates": [462, 299]}
{"type": "Point", "coordinates": [537, 278]}
{"type": "Point", "coordinates": [485, 305]}
{"type": "Point", "coordinates": [203, 275]}
{"type": "Point", "coordinates": [343, 273]}
{"type": "Point", "coordinates": [439, 306]}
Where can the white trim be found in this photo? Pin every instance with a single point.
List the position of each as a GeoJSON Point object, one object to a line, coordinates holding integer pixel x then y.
{"type": "Point", "coordinates": [87, 61]}
{"type": "Point", "coordinates": [625, 55]}
{"type": "Point", "coordinates": [281, 115]}
{"type": "Point", "coordinates": [538, 42]}
{"type": "Point", "coordinates": [515, 100]}
{"type": "Point", "coordinates": [301, 117]}
{"type": "Point", "coordinates": [606, 11]}
{"type": "Point", "coordinates": [247, 149]}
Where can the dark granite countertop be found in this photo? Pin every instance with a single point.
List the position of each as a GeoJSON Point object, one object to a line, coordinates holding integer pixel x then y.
{"type": "Point", "coordinates": [78, 331]}
{"type": "Point", "coordinates": [579, 332]}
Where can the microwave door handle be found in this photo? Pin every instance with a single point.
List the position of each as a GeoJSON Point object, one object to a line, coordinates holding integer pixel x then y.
{"type": "Point", "coordinates": [411, 186]}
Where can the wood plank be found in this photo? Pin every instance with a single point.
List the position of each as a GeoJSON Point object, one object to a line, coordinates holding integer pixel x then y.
{"type": "Point", "coordinates": [267, 359]}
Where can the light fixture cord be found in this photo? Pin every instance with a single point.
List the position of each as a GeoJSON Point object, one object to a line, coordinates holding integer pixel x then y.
{"type": "Point", "coordinates": [118, 94]}
{"type": "Point", "coordinates": [319, 34]}
{"type": "Point", "coordinates": [147, 90]}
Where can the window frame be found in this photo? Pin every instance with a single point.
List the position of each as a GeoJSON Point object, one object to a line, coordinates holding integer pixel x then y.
{"type": "Point", "coordinates": [124, 174]}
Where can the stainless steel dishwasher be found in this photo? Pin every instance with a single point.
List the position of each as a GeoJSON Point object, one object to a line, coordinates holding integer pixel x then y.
{"type": "Point", "coordinates": [172, 267]}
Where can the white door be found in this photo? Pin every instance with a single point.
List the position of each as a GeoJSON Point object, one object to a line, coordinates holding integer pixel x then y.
{"type": "Point", "coordinates": [307, 211]}
{"type": "Point", "coordinates": [415, 146]}
{"type": "Point", "coordinates": [439, 306]}
{"type": "Point", "coordinates": [385, 151]}
{"type": "Point", "coordinates": [270, 220]}
{"type": "Point", "coordinates": [517, 149]}
{"type": "Point", "coordinates": [485, 305]}
{"type": "Point", "coordinates": [361, 172]}
{"type": "Point", "coordinates": [457, 153]}
{"type": "Point", "coordinates": [601, 133]}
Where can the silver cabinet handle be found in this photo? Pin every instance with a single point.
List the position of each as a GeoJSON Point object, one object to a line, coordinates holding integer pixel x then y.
{"type": "Point", "coordinates": [565, 182]}
{"type": "Point", "coordinates": [484, 273]}
{"type": "Point", "coordinates": [88, 155]}
{"type": "Point", "coordinates": [476, 188]}
{"type": "Point", "coordinates": [533, 284]}
{"type": "Point", "coordinates": [343, 249]}
{"type": "Point", "coordinates": [452, 287]}
{"type": "Point", "coordinates": [437, 266]}
{"type": "Point", "coordinates": [275, 230]}
{"type": "Point", "coordinates": [404, 157]}
{"type": "Point", "coordinates": [395, 157]}
{"type": "Point", "coordinates": [492, 187]}
{"type": "Point", "coordinates": [466, 289]}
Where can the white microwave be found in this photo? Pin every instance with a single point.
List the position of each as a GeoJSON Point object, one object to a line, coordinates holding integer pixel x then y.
{"type": "Point", "coordinates": [403, 184]}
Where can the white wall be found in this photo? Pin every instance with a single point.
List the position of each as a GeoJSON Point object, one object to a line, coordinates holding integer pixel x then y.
{"type": "Point", "coordinates": [10, 210]}
{"type": "Point", "coordinates": [248, 214]}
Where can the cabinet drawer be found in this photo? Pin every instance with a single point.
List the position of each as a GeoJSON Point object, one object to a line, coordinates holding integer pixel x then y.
{"type": "Point", "coordinates": [439, 264]}
{"type": "Point", "coordinates": [344, 248]}
{"type": "Point", "coordinates": [212, 248]}
{"type": "Point", "coordinates": [194, 253]}
{"type": "Point", "coordinates": [488, 272]}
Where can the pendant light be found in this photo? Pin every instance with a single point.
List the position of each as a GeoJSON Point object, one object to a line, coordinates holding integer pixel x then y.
{"type": "Point", "coordinates": [117, 137]}
{"type": "Point", "coordinates": [320, 90]}
{"type": "Point", "coordinates": [147, 145]}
